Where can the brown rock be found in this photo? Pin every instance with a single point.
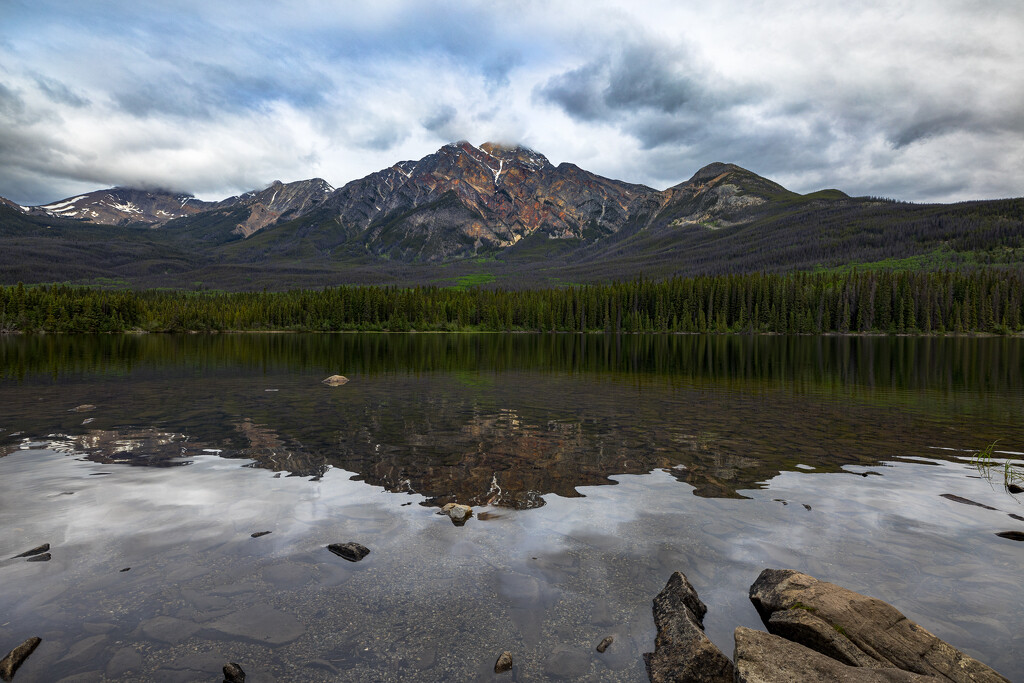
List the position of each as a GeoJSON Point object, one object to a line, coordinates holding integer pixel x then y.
{"type": "Point", "coordinates": [803, 627]}
{"type": "Point", "coordinates": [459, 514]}
{"type": "Point", "coordinates": [875, 627]}
{"type": "Point", "coordinates": [682, 651]}
{"type": "Point", "coordinates": [335, 381]}
{"type": "Point", "coordinates": [233, 673]}
{"type": "Point", "coordinates": [351, 551]}
{"type": "Point", "coordinates": [604, 644]}
{"type": "Point", "coordinates": [38, 550]}
{"type": "Point", "coordinates": [764, 658]}
{"type": "Point", "coordinates": [504, 662]}
{"type": "Point", "coordinates": [16, 657]}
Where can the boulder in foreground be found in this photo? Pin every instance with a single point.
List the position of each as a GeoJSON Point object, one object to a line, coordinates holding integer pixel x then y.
{"type": "Point", "coordinates": [818, 632]}
{"type": "Point", "coordinates": [765, 658]}
{"type": "Point", "coordinates": [682, 651]}
{"type": "Point", "coordinates": [876, 628]}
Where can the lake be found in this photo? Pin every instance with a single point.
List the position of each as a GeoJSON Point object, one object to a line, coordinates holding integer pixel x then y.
{"type": "Point", "coordinates": [596, 466]}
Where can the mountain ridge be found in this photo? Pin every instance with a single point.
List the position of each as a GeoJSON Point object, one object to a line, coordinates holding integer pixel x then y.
{"type": "Point", "coordinates": [502, 194]}
{"type": "Point", "coordinates": [494, 213]}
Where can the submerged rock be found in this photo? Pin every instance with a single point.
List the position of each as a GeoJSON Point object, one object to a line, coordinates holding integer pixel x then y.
{"type": "Point", "coordinates": [965, 501]}
{"type": "Point", "coordinates": [82, 408]}
{"type": "Point", "coordinates": [45, 557]}
{"type": "Point", "coordinates": [233, 673]}
{"type": "Point", "coordinates": [604, 644]}
{"type": "Point", "coordinates": [682, 651]}
{"type": "Point", "coordinates": [459, 514]}
{"type": "Point", "coordinates": [335, 380]}
{"type": "Point", "coordinates": [257, 534]}
{"type": "Point", "coordinates": [1013, 488]}
{"type": "Point", "coordinates": [16, 657]}
{"type": "Point", "coordinates": [1011, 535]}
{"type": "Point", "coordinates": [39, 549]}
{"type": "Point", "coordinates": [874, 627]}
{"type": "Point", "coordinates": [504, 662]}
{"type": "Point", "coordinates": [351, 551]}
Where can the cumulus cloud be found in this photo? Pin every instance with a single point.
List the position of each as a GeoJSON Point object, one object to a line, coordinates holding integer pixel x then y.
{"type": "Point", "coordinates": [921, 99]}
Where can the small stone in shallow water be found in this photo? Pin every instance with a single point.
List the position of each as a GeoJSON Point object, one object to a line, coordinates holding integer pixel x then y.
{"type": "Point", "coordinates": [351, 551]}
{"type": "Point", "coordinates": [458, 513]}
{"type": "Point", "coordinates": [126, 569]}
{"type": "Point", "coordinates": [335, 380]}
{"type": "Point", "coordinates": [259, 533]}
{"type": "Point", "coordinates": [9, 664]}
{"type": "Point", "coordinates": [966, 501]}
{"type": "Point", "coordinates": [45, 557]}
{"type": "Point", "coordinates": [1017, 517]}
{"type": "Point", "coordinates": [1013, 488]}
{"type": "Point", "coordinates": [233, 673]}
{"type": "Point", "coordinates": [1012, 535]}
{"type": "Point", "coordinates": [504, 662]}
{"type": "Point", "coordinates": [38, 550]}
{"type": "Point", "coordinates": [603, 645]}
{"type": "Point", "coordinates": [82, 408]}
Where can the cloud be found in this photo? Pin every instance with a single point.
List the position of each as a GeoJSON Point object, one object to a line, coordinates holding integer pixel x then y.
{"type": "Point", "coordinates": [922, 99]}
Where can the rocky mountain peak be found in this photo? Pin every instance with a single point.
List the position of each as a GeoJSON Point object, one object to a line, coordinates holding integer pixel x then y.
{"type": "Point", "coordinates": [712, 171]}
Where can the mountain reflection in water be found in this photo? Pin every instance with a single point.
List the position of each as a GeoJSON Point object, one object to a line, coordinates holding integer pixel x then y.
{"type": "Point", "coordinates": [506, 419]}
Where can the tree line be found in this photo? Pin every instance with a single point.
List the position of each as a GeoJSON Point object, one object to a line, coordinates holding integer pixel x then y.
{"type": "Point", "coordinates": [987, 301]}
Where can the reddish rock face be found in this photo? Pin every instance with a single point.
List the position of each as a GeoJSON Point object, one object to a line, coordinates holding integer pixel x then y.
{"type": "Point", "coordinates": [463, 199]}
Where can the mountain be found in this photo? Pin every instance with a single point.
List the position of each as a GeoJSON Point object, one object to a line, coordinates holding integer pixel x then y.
{"type": "Point", "coordinates": [121, 206]}
{"type": "Point", "coordinates": [462, 200]}
{"type": "Point", "coordinates": [278, 202]}
{"type": "Point", "coordinates": [495, 213]}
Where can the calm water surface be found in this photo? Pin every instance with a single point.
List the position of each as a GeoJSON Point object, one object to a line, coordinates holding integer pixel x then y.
{"type": "Point", "coordinates": [596, 466]}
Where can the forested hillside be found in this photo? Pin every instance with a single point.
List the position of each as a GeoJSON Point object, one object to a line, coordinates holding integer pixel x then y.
{"type": "Point", "coordinates": [986, 301]}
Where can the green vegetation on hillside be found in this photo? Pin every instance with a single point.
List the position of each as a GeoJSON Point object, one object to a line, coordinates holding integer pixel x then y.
{"type": "Point", "coordinates": [845, 302]}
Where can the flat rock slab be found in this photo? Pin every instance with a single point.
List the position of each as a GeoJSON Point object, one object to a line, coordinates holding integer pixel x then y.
{"type": "Point", "coordinates": [802, 626]}
{"type": "Point", "coordinates": [764, 658]}
{"type": "Point", "coordinates": [16, 657]}
{"type": "Point", "coordinates": [876, 628]}
{"type": "Point", "coordinates": [260, 623]}
{"type": "Point", "coordinates": [351, 551]}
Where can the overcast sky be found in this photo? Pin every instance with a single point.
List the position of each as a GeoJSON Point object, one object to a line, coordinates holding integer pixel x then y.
{"type": "Point", "coordinates": [918, 99]}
